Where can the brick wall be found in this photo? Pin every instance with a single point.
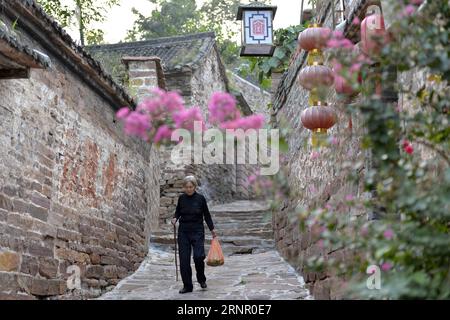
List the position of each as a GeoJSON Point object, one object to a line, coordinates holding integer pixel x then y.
{"type": "Point", "coordinates": [74, 189]}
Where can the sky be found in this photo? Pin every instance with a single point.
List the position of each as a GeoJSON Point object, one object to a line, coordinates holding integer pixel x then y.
{"type": "Point", "coordinates": [120, 18]}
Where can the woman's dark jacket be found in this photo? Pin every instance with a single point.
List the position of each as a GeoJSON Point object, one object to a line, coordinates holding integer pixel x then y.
{"type": "Point", "coordinates": [191, 210]}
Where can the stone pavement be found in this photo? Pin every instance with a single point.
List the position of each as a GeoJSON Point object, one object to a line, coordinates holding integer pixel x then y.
{"type": "Point", "coordinates": [253, 269]}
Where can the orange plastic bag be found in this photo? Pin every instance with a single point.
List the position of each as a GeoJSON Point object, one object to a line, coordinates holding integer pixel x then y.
{"type": "Point", "coordinates": [215, 254]}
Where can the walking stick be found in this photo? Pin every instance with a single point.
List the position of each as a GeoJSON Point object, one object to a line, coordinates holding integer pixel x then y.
{"type": "Point", "coordinates": [176, 248]}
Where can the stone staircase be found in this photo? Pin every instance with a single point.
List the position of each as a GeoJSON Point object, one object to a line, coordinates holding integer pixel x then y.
{"type": "Point", "coordinates": [243, 227]}
{"type": "Point", "coordinates": [253, 269]}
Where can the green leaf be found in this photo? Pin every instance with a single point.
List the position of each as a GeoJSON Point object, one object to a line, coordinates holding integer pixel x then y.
{"type": "Point", "coordinates": [280, 53]}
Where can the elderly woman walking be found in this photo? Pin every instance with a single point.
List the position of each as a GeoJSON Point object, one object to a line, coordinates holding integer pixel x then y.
{"type": "Point", "coordinates": [190, 211]}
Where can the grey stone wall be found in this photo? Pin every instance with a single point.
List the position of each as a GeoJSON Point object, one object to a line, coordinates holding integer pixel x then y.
{"type": "Point", "coordinates": [257, 98]}
{"type": "Point", "coordinates": [216, 182]}
{"type": "Point", "coordinates": [74, 189]}
{"type": "Point", "coordinates": [314, 181]}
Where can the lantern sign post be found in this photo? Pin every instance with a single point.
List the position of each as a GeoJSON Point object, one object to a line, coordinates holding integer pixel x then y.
{"type": "Point", "coordinates": [257, 29]}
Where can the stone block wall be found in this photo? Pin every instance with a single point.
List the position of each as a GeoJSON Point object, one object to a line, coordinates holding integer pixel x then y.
{"type": "Point", "coordinates": [313, 181]}
{"type": "Point", "coordinates": [218, 183]}
{"type": "Point", "coordinates": [74, 190]}
{"type": "Point", "coordinates": [257, 98]}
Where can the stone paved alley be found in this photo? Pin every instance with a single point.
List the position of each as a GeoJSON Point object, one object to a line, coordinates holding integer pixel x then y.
{"type": "Point", "coordinates": [253, 268]}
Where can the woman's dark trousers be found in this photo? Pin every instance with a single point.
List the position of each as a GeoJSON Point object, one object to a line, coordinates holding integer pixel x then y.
{"type": "Point", "coordinates": [188, 239]}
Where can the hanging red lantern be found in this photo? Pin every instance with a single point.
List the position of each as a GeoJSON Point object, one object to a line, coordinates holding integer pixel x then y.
{"type": "Point", "coordinates": [318, 118]}
{"type": "Point", "coordinates": [316, 76]}
{"type": "Point", "coordinates": [314, 37]}
{"type": "Point", "coordinates": [373, 34]}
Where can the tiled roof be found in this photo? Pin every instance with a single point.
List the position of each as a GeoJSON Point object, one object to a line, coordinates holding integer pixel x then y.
{"type": "Point", "coordinates": [176, 53]}
{"type": "Point", "coordinates": [71, 53]}
{"type": "Point", "coordinates": [17, 54]}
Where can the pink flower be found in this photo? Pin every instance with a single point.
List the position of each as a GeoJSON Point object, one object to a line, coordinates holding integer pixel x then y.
{"type": "Point", "coordinates": [407, 147]}
{"type": "Point", "coordinates": [349, 197]}
{"type": "Point", "coordinates": [356, 21]}
{"type": "Point", "coordinates": [408, 10]}
{"type": "Point", "coordinates": [328, 206]}
{"type": "Point", "coordinates": [162, 105]}
{"type": "Point", "coordinates": [347, 44]}
{"type": "Point", "coordinates": [334, 140]}
{"type": "Point", "coordinates": [251, 179]}
{"type": "Point", "coordinates": [163, 133]}
{"type": "Point", "coordinates": [123, 113]}
{"type": "Point", "coordinates": [338, 34]}
{"type": "Point", "coordinates": [340, 43]}
{"type": "Point", "coordinates": [386, 266]}
{"type": "Point", "coordinates": [388, 234]}
{"type": "Point", "coordinates": [314, 155]}
{"type": "Point", "coordinates": [255, 121]}
{"type": "Point", "coordinates": [186, 119]}
{"type": "Point", "coordinates": [337, 66]}
{"type": "Point", "coordinates": [333, 43]}
{"type": "Point", "coordinates": [222, 108]}
{"type": "Point", "coordinates": [172, 101]}
{"type": "Point", "coordinates": [137, 124]}
{"type": "Point", "coordinates": [355, 67]}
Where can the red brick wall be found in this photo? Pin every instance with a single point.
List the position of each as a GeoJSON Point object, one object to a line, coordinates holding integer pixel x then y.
{"type": "Point", "coordinates": [73, 188]}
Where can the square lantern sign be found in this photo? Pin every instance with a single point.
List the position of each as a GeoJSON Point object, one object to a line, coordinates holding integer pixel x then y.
{"type": "Point", "coordinates": [257, 30]}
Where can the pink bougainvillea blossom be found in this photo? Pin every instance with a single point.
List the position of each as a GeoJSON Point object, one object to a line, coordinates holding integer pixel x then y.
{"type": "Point", "coordinates": [334, 140]}
{"type": "Point", "coordinates": [123, 113]}
{"type": "Point", "coordinates": [163, 133]}
{"type": "Point", "coordinates": [337, 66]}
{"type": "Point", "coordinates": [162, 105]}
{"type": "Point", "coordinates": [349, 197]}
{"type": "Point", "coordinates": [186, 119]}
{"type": "Point", "coordinates": [407, 147]}
{"type": "Point", "coordinates": [137, 124]}
{"type": "Point", "coordinates": [408, 10]}
{"type": "Point", "coordinates": [163, 112]}
{"type": "Point", "coordinates": [251, 179]}
{"type": "Point", "coordinates": [255, 121]}
{"type": "Point", "coordinates": [314, 155]}
{"type": "Point", "coordinates": [386, 266]}
{"type": "Point", "coordinates": [388, 234]}
{"type": "Point", "coordinates": [356, 21]}
{"type": "Point", "coordinates": [222, 108]}
{"type": "Point", "coordinates": [338, 40]}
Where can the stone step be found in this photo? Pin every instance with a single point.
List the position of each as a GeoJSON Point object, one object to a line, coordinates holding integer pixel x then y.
{"type": "Point", "coordinates": [241, 215]}
{"type": "Point", "coordinates": [240, 220]}
{"type": "Point", "coordinates": [254, 232]}
{"type": "Point", "coordinates": [228, 249]}
{"type": "Point", "coordinates": [264, 233]}
{"type": "Point", "coordinates": [225, 240]}
{"type": "Point", "coordinates": [228, 225]}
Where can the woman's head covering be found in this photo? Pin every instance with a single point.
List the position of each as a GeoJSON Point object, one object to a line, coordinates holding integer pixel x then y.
{"type": "Point", "coordinates": [190, 179]}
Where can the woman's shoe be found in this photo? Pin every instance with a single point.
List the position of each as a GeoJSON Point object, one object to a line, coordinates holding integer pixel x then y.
{"type": "Point", "coordinates": [185, 290]}
{"type": "Point", "coordinates": [203, 285]}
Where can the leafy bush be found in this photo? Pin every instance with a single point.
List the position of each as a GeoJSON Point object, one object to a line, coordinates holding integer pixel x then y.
{"type": "Point", "coordinates": [408, 183]}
